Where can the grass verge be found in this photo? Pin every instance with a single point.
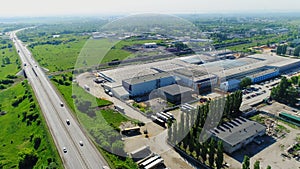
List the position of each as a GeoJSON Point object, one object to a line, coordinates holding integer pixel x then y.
{"type": "Point", "coordinates": [24, 135]}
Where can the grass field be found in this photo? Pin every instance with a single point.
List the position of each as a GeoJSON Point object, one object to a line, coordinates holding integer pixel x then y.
{"type": "Point", "coordinates": [21, 127]}
{"type": "Point", "coordinates": [59, 57]}
{"type": "Point", "coordinates": [82, 52]}
{"type": "Point", "coordinates": [98, 51]}
{"type": "Point", "coordinates": [9, 59]}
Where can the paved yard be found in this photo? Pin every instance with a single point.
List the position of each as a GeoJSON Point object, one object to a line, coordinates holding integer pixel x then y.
{"type": "Point", "coordinates": [269, 152]}
{"type": "Point", "coordinates": [157, 134]}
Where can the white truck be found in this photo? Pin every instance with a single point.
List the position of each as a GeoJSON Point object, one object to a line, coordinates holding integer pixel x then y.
{"type": "Point", "coordinates": [119, 108]}
{"type": "Point", "coordinates": [86, 87]}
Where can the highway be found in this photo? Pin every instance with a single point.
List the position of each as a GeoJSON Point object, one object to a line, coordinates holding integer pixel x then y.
{"type": "Point", "coordinates": [77, 156]}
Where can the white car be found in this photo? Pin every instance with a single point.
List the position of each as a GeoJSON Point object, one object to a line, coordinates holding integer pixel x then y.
{"type": "Point", "coordinates": [65, 149]}
{"type": "Point", "coordinates": [68, 122]}
{"type": "Point", "coordinates": [80, 143]}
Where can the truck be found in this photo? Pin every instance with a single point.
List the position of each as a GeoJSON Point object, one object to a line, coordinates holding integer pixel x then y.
{"type": "Point", "coordinates": [86, 87]}
{"type": "Point", "coordinates": [119, 108]}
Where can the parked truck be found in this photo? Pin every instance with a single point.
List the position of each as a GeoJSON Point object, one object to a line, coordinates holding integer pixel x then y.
{"type": "Point", "coordinates": [119, 108]}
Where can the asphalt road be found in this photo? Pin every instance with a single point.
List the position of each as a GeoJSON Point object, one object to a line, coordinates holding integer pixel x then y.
{"type": "Point", "coordinates": [64, 135]}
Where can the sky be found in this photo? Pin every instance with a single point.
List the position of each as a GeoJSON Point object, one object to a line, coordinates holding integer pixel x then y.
{"type": "Point", "coordinates": [91, 7]}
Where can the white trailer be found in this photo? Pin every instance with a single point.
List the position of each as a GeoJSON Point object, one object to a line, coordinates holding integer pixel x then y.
{"type": "Point", "coordinates": [154, 163]}
{"type": "Point", "coordinates": [119, 108]}
{"type": "Point", "coordinates": [148, 161]}
{"type": "Point", "coordinates": [164, 118]}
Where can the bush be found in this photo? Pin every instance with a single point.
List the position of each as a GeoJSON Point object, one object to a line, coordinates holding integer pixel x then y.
{"type": "Point", "coordinates": [11, 76]}
{"type": "Point", "coordinates": [2, 87]}
{"type": "Point", "coordinates": [6, 81]}
{"type": "Point", "coordinates": [67, 83]}
{"type": "Point", "coordinates": [27, 158]}
{"type": "Point", "coordinates": [37, 142]}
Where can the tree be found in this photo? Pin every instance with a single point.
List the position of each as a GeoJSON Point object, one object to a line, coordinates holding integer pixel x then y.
{"type": "Point", "coordinates": [294, 80]}
{"type": "Point", "coordinates": [237, 101]}
{"type": "Point", "coordinates": [284, 48]}
{"type": "Point", "coordinates": [269, 167]}
{"type": "Point", "coordinates": [204, 150]}
{"type": "Point", "coordinates": [187, 123]}
{"type": "Point", "coordinates": [220, 156]}
{"type": "Point", "coordinates": [211, 157]}
{"type": "Point", "coordinates": [181, 129]}
{"type": "Point", "coordinates": [245, 82]}
{"type": "Point", "coordinates": [292, 94]}
{"type": "Point", "coordinates": [246, 162]}
{"type": "Point", "coordinates": [170, 134]}
{"type": "Point", "coordinates": [285, 92]}
{"type": "Point", "coordinates": [7, 60]}
{"type": "Point", "coordinates": [175, 133]}
{"type": "Point", "coordinates": [256, 165]}
{"type": "Point", "coordinates": [192, 146]}
{"type": "Point", "coordinates": [27, 158]}
{"type": "Point", "coordinates": [37, 142]}
{"type": "Point", "coordinates": [198, 149]}
{"type": "Point", "coordinates": [279, 50]}
{"type": "Point", "coordinates": [297, 51]}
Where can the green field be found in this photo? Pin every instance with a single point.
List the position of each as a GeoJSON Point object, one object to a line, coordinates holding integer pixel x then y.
{"type": "Point", "coordinates": [59, 57]}
{"type": "Point", "coordinates": [23, 131]}
{"type": "Point", "coordinates": [98, 51]}
{"type": "Point", "coordinates": [81, 52]}
{"type": "Point", "coordinates": [10, 63]}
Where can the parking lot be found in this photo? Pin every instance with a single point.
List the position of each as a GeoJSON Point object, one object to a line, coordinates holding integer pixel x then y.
{"type": "Point", "coordinates": [257, 92]}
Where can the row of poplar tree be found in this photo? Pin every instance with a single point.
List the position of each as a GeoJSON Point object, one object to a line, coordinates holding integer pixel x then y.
{"type": "Point", "coordinates": [190, 132]}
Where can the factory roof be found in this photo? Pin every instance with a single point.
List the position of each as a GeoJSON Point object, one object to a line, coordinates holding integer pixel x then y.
{"type": "Point", "coordinates": [146, 78]}
{"type": "Point", "coordinates": [190, 72]}
{"type": "Point", "coordinates": [196, 59]}
{"type": "Point", "coordinates": [286, 61]}
{"type": "Point", "coordinates": [237, 68]}
{"type": "Point", "coordinates": [175, 89]}
{"type": "Point", "coordinates": [237, 130]}
{"type": "Point", "coordinates": [263, 72]}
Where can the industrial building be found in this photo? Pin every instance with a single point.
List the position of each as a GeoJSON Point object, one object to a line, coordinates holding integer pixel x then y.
{"type": "Point", "coordinates": [290, 118]}
{"type": "Point", "coordinates": [150, 45]}
{"type": "Point", "coordinates": [196, 79]}
{"type": "Point", "coordinates": [230, 85]}
{"type": "Point", "coordinates": [263, 75]}
{"type": "Point", "coordinates": [177, 94]}
{"type": "Point", "coordinates": [198, 72]}
{"type": "Point", "coordinates": [140, 85]}
{"type": "Point", "coordinates": [237, 133]}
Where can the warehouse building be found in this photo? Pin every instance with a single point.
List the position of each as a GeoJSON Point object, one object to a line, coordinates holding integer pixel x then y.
{"type": "Point", "coordinates": [237, 133]}
{"type": "Point", "coordinates": [197, 79]}
{"type": "Point", "coordinates": [263, 75]}
{"type": "Point", "coordinates": [230, 85]}
{"type": "Point", "coordinates": [141, 85]}
{"type": "Point", "coordinates": [150, 45]}
{"type": "Point", "coordinates": [177, 94]}
{"type": "Point", "coordinates": [198, 72]}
